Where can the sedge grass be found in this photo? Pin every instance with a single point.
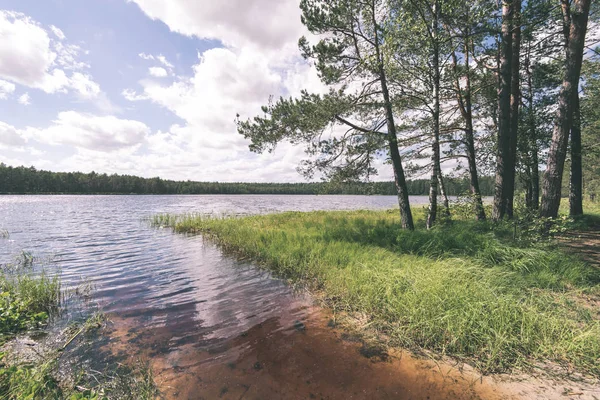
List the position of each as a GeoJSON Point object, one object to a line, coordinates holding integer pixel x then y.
{"type": "Point", "coordinates": [27, 297]}
{"type": "Point", "coordinates": [466, 290]}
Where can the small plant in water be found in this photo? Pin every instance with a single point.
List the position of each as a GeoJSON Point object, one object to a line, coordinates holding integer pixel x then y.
{"type": "Point", "coordinates": [26, 300]}
{"type": "Point", "coordinates": [28, 297]}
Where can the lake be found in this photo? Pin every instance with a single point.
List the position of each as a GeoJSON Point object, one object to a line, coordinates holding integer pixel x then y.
{"type": "Point", "coordinates": [134, 266]}
{"type": "Point", "coordinates": [212, 325]}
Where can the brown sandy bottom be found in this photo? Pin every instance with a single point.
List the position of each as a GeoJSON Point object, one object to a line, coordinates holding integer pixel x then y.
{"type": "Point", "coordinates": [287, 358]}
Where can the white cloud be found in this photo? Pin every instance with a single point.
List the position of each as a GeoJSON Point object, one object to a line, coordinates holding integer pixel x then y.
{"type": "Point", "coordinates": [263, 23]}
{"type": "Point", "coordinates": [224, 83]}
{"type": "Point", "coordinates": [68, 56]}
{"type": "Point", "coordinates": [107, 144]}
{"type": "Point", "coordinates": [163, 60]}
{"type": "Point", "coordinates": [160, 58]}
{"type": "Point", "coordinates": [105, 134]}
{"type": "Point", "coordinates": [175, 162]}
{"type": "Point", "coordinates": [131, 95]}
{"type": "Point", "coordinates": [25, 99]}
{"type": "Point", "coordinates": [6, 88]}
{"type": "Point", "coordinates": [85, 86]}
{"type": "Point", "coordinates": [158, 72]}
{"type": "Point", "coordinates": [207, 146]}
{"type": "Point", "coordinates": [10, 136]}
{"type": "Point", "coordinates": [25, 55]}
{"type": "Point", "coordinates": [57, 32]}
{"type": "Point", "coordinates": [260, 60]}
{"type": "Point", "coordinates": [29, 57]}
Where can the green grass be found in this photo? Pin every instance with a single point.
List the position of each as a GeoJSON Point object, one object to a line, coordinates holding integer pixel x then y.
{"type": "Point", "coordinates": [592, 213]}
{"type": "Point", "coordinates": [29, 381]}
{"type": "Point", "coordinates": [590, 219]}
{"type": "Point", "coordinates": [467, 289]}
{"type": "Point", "coordinates": [38, 382]}
{"type": "Point", "coordinates": [27, 297]}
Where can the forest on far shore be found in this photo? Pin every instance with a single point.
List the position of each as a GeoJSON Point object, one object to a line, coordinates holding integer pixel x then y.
{"type": "Point", "coordinates": [28, 180]}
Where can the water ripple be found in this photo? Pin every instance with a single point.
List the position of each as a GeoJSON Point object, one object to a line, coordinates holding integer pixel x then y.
{"type": "Point", "coordinates": [164, 279]}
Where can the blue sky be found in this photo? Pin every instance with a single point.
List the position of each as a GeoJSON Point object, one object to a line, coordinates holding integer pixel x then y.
{"type": "Point", "coordinates": [114, 32]}
{"type": "Point", "coordinates": [147, 87]}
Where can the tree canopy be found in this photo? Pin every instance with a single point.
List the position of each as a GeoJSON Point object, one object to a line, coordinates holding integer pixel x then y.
{"type": "Point", "coordinates": [447, 88]}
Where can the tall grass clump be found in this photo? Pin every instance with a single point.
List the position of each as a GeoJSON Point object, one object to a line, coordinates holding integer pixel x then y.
{"type": "Point", "coordinates": [28, 296]}
{"type": "Point", "coordinates": [164, 220]}
{"type": "Point", "coordinates": [467, 290]}
{"type": "Point", "coordinates": [182, 221]}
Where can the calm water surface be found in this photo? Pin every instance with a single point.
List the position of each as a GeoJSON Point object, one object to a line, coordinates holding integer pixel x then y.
{"type": "Point", "coordinates": [213, 326]}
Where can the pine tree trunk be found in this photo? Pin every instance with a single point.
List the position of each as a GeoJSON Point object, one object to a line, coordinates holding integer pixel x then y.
{"type": "Point", "coordinates": [399, 178]}
{"type": "Point", "coordinates": [466, 110]}
{"type": "Point", "coordinates": [535, 180]}
{"type": "Point", "coordinates": [474, 179]}
{"type": "Point", "coordinates": [515, 100]}
{"type": "Point", "coordinates": [504, 91]}
{"type": "Point", "coordinates": [551, 191]}
{"type": "Point", "coordinates": [406, 218]}
{"type": "Point", "coordinates": [576, 188]}
{"type": "Point", "coordinates": [532, 145]}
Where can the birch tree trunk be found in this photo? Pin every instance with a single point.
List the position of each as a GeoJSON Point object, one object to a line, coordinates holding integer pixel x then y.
{"type": "Point", "coordinates": [435, 156]}
{"type": "Point", "coordinates": [444, 194]}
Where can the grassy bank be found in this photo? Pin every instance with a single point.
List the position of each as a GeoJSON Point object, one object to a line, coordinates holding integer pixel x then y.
{"type": "Point", "coordinates": [467, 289]}
{"type": "Point", "coordinates": [29, 299]}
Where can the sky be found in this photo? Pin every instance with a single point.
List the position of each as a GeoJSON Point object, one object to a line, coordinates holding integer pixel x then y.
{"type": "Point", "coordinates": [148, 87]}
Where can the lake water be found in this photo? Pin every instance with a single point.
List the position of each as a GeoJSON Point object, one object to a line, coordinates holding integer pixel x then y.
{"type": "Point", "coordinates": [138, 268]}
{"type": "Point", "coordinates": [211, 324]}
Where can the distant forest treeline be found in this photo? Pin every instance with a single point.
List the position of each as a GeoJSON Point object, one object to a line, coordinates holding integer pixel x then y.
{"type": "Point", "coordinates": [24, 180]}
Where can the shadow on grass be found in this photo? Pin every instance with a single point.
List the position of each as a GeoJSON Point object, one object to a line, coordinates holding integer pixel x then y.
{"type": "Point", "coordinates": [486, 244]}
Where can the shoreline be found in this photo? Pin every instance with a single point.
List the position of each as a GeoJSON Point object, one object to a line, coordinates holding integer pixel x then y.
{"type": "Point", "coordinates": [257, 238]}
{"type": "Point", "coordinates": [277, 359]}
